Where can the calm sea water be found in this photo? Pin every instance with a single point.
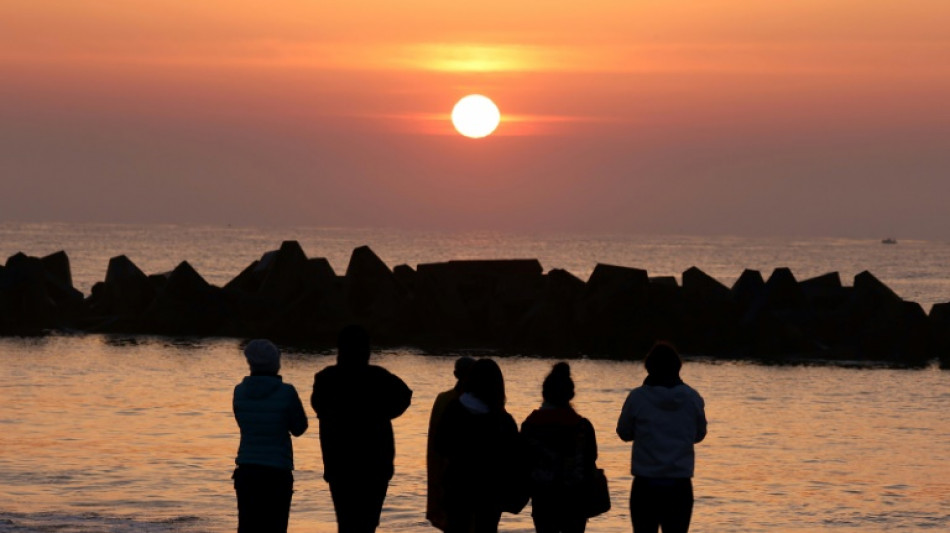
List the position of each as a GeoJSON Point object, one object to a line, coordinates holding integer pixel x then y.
{"type": "Point", "coordinates": [116, 434]}
{"type": "Point", "coordinates": [123, 434]}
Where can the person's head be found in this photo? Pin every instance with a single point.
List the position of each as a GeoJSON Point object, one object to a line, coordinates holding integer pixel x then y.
{"type": "Point", "coordinates": [462, 367]}
{"type": "Point", "coordinates": [353, 346]}
{"type": "Point", "coordinates": [485, 382]}
{"type": "Point", "coordinates": [663, 362]}
{"type": "Point", "coordinates": [558, 387]}
{"type": "Point", "coordinates": [262, 356]}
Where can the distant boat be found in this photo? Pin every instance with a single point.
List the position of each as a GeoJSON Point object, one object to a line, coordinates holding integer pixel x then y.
{"type": "Point", "coordinates": [888, 241]}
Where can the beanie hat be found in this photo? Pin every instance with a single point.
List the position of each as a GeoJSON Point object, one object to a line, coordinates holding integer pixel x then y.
{"type": "Point", "coordinates": [558, 387]}
{"type": "Point", "coordinates": [262, 356]}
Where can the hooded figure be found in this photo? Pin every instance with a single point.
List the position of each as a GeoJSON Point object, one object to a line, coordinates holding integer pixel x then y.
{"type": "Point", "coordinates": [664, 418]}
{"type": "Point", "coordinates": [479, 440]}
{"type": "Point", "coordinates": [268, 411]}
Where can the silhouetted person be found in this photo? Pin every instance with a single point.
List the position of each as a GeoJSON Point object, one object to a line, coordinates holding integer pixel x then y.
{"type": "Point", "coordinates": [561, 450]}
{"type": "Point", "coordinates": [664, 418]}
{"type": "Point", "coordinates": [435, 462]}
{"type": "Point", "coordinates": [268, 411]}
{"type": "Point", "coordinates": [356, 402]}
{"type": "Point", "coordinates": [481, 444]}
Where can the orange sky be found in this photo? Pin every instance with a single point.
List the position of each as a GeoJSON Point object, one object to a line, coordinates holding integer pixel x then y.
{"type": "Point", "coordinates": [720, 116]}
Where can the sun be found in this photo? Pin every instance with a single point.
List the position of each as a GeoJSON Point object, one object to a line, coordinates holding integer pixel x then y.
{"type": "Point", "coordinates": [475, 116]}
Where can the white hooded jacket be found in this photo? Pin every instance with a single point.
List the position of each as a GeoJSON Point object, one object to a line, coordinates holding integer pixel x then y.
{"type": "Point", "coordinates": [663, 422]}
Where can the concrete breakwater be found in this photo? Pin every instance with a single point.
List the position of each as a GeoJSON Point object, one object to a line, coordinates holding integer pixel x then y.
{"type": "Point", "coordinates": [511, 306]}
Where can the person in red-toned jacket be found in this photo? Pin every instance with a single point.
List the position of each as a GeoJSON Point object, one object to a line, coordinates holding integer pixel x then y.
{"type": "Point", "coordinates": [562, 452]}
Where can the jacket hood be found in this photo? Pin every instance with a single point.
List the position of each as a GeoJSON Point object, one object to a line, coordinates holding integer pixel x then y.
{"type": "Point", "coordinates": [258, 387]}
{"type": "Point", "coordinates": [666, 398]}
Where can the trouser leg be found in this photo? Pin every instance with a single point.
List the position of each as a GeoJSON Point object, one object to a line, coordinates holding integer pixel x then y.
{"type": "Point", "coordinates": [358, 504]}
{"type": "Point", "coordinates": [661, 503]}
{"type": "Point", "coordinates": [263, 497]}
{"type": "Point", "coordinates": [643, 512]}
{"type": "Point", "coordinates": [678, 508]}
{"type": "Point", "coordinates": [548, 520]}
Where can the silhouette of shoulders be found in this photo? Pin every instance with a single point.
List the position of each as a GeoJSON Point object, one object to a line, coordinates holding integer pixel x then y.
{"type": "Point", "coordinates": [365, 390]}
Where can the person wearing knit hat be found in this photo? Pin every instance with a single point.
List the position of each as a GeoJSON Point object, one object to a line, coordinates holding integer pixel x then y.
{"type": "Point", "coordinates": [262, 356]}
{"type": "Point", "coordinates": [268, 411]}
{"type": "Point", "coordinates": [561, 450]}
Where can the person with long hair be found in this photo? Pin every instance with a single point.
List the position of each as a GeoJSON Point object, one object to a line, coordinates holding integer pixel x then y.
{"type": "Point", "coordinates": [480, 442]}
{"type": "Point", "coordinates": [664, 418]}
{"type": "Point", "coordinates": [561, 448]}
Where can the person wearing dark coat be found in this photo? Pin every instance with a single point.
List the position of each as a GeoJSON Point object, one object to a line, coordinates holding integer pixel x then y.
{"type": "Point", "coordinates": [355, 403]}
{"type": "Point", "coordinates": [435, 462]}
{"type": "Point", "coordinates": [480, 442]}
{"type": "Point", "coordinates": [561, 448]}
{"type": "Point", "coordinates": [268, 411]}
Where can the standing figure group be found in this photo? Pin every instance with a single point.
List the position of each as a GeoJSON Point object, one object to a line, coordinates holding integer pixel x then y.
{"type": "Point", "coordinates": [479, 464]}
{"type": "Point", "coordinates": [355, 403]}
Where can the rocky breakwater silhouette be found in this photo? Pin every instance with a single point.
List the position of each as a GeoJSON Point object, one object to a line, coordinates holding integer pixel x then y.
{"type": "Point", "coordinates": [510, 306]}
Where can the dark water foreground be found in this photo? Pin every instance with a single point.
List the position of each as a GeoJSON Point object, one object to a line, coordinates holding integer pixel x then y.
{"type": "Point", "coordinates": [510, 306]}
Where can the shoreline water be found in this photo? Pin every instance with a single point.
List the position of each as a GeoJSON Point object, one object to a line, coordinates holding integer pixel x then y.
{"type": "Point", "coordinates": [139, 436]}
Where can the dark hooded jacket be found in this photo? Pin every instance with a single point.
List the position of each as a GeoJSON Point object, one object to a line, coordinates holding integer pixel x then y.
{"type": "Point", "coordinates": [484, 457]}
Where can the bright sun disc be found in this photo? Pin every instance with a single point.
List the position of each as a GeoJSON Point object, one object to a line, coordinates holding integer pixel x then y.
{"type": "Point", "coordinates": [475, 116]}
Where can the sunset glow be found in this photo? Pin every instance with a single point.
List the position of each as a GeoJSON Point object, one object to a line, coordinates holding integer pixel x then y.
{"type": "Point", "coordinates": [727, 115]}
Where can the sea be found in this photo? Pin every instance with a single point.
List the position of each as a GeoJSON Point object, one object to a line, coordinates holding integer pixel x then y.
{"type": "Point", "coordinates": [118, 433]}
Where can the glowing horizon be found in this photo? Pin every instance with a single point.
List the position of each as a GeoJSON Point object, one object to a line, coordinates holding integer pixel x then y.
{"type": "Point", "coordinates": [748, 105]}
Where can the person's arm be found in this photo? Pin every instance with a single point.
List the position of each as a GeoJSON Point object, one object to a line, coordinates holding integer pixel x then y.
{"type": "Point", "coordinates": [443, 440]}
{"type": "Point", "coordinates": [399, 397]}
{"type": "Point", "coordinates": [234, 405]}
{"type": "Point", "coordinates": [590, 443]}
{"type": "Point", "coordinates": [700, 418]}
{"type": "Point", "coordinates": [318, 396]}
{"type": "Point", "coordinates": [438, 409]}
{"type": "Point", "coordinates": [626, 424]}
{"type": "Point", "coordinates": [297, 416]}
